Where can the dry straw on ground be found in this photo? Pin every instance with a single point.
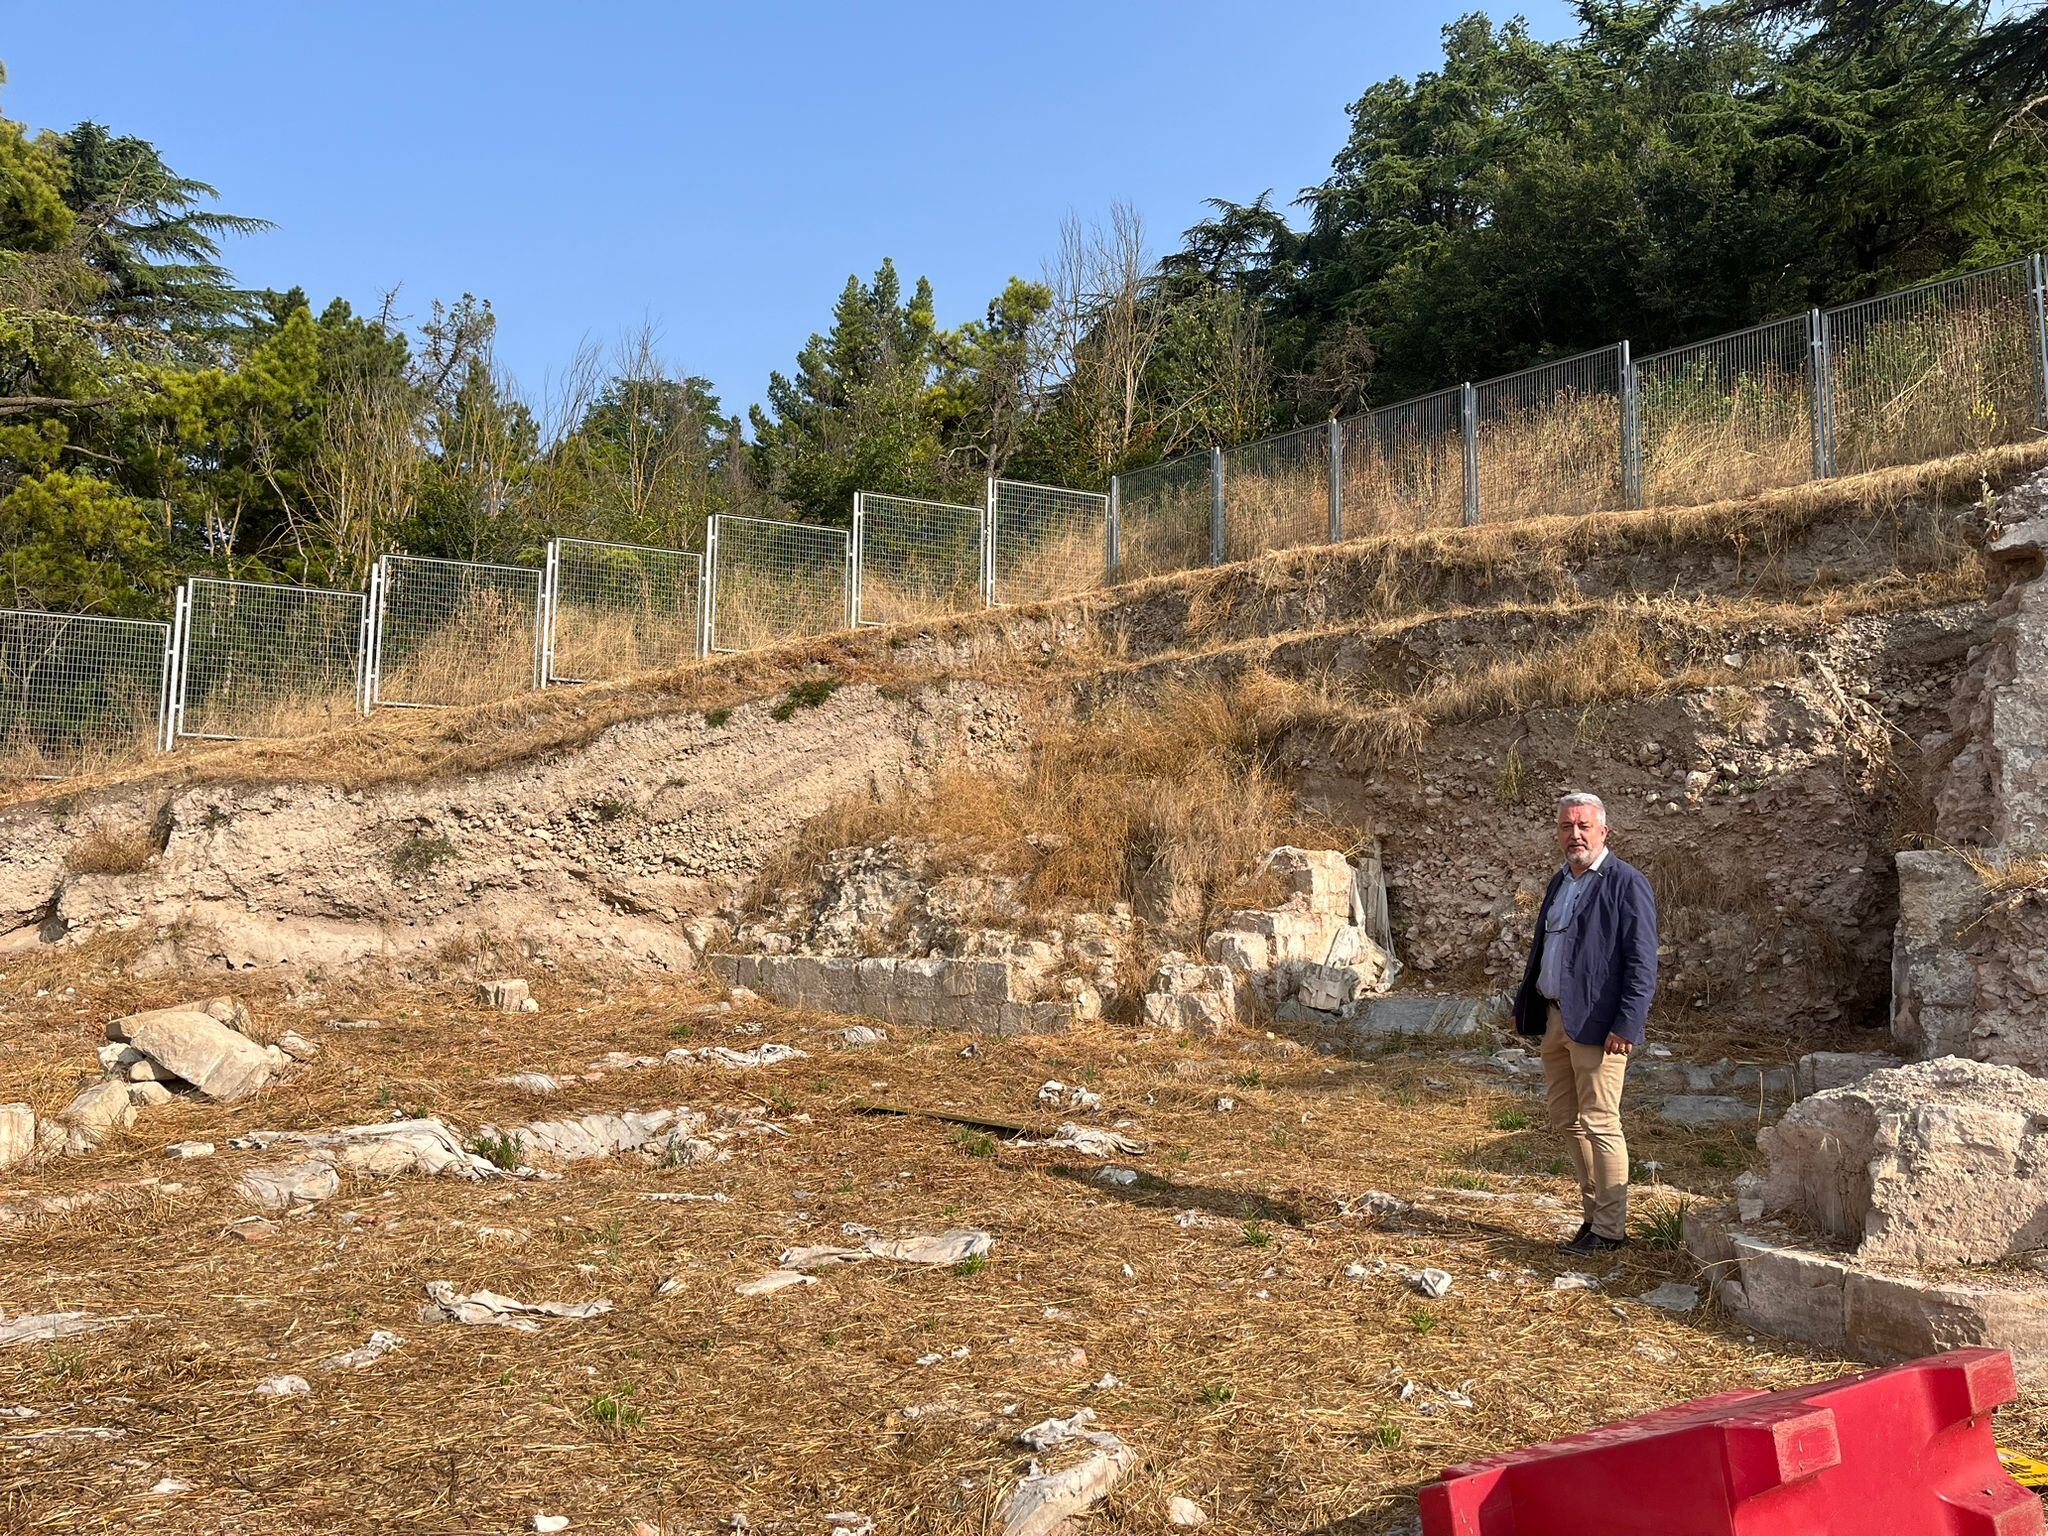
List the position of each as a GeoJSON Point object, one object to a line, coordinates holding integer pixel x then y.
{"type": "Point", "coordinates": [1204, 1313]}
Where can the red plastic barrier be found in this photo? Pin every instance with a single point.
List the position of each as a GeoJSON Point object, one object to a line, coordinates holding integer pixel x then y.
{"type": "Point", "coordinates": [1900, 1452]}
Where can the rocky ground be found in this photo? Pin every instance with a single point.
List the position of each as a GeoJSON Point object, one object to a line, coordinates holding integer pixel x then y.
{"type": "Point", "coordinates": [1239, 1297]}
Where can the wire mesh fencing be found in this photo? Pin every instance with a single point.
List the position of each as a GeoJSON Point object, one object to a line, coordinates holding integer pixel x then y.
{"type": "Point", "coordinates": [1048, 541]}
{"type": "Point", "coordinates": [1404, 465]}
{"type": "Point", "coordinates": [1944, 368]}
{"type": "Point", "coordinates": [1548, 439]}
{"type": "Point", "coordinates": [1276, 493]}
{"type": "Point", "coordinates": [1163, 517]}
{"type": "Point", "coordinates": [259, 660]}
{"type": "Point", "coordinates": [916, 559]}
{"type": "Point", "coordinates": [78, 692]}
{"type": "Point", "coordinates": [617, 609]}
{"type": "Point", "coordinates": [774, 581]}
{"type": "Point", "coordinates": [448, 632]}
{"type": "Point", "coordinates": [1730, 416]}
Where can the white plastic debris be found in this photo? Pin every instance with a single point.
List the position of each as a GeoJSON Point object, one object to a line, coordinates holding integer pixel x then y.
{"type": "Point", "coordinates": [1117, 1174]}
{"type": "Point", "coordinates": [41, 1327]}
{"type": "Point", "coordinates": [380, 1343]}
{"type": "Point", "coordinates": [1185, 1513]}
{"type": "Point", "coordinates": [283, 1386]}
{"type": "Point", "coordinates": [771, 1282]}
{"type": "Point", "coordinates": [531, 1082]}
{"type": "Point", "coordinates": [1089, 1140]}
{"type": "Point", "coordinates": [1044, 1501]}
{"type": "Point", "coordinates": [1047, 1433]}
{"type": "Point", "coordinates": [488, 1309]}
{"type": "Point", "coordinates": [189, 1149]}
{"type": "Point", "coordinates": [1054, 1094]}
{"type": "Point", "coordinates": [947, 1248]}
{"type": "Point", "coordinates": [1433, 1283]}
{"type": "Point", "coordinates": [1575, 1280]}
{"type": "Point", "coordinates": [548, 1524]}
{"type": "Point", "coordinates": [165, 1487]}
{"type": "Point", "coordinates": [725, 1056]}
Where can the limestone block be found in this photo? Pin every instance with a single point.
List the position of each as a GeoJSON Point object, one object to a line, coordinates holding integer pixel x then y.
{"type": "Point", "coordinates": [220, 1062]}
{"type": "Point", "coordinates": [279, 1188]}
{"type": "Point", "coordinates": [918, 978]}
{"type": "Point", "coordinates": [1337, 988]}
{"type": "Point", "coordinates": [1423, 1014]}
{"type": "Point", "coordinates": [17, 1134]}
{"type": "Point", "coordinates": [1791, 1292]}
{"type": "Point", "coordinates": [803, 981]}
{"type": "Point", "coordinates": [1937, 1163]}
{"type": "Point", "coordinates": [1241, 949]}
{"type": "Point", "coordinates": [95, 1114]}
{"type": "Point", "coordinates": [1705, 1109]}
{"type": "Point", "coordinates": [1934, 984]}
{"type": "Point", "coordinates": [148, 1095]}
{"type": "Point", "coordinates": [116, 1057]}
{"type": "Point", "coordinates": [1819, 1071]}
{"type": "Point", "coordinates": [1321, 876]}
{"type": "Point", "coordinates": [505, 995]}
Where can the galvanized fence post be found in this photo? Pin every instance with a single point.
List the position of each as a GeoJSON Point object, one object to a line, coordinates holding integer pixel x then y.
{"type": "Point", "coordinates": [1823, 394]}
{"type": "Point", "coordinates": [856, 550]}
{"type": "Point", "coordinates": [1468, 429]}
{"type": "Point", "coordinates": [988, 546]}
{"type": "Point", "coordinates": [374, 689]}
{"type": "Point", "coordinates": [710, 603]}
{"type": "Point", "coordinates": [173, 669]}
{"type": "Point", "coordinates": [1336, 482]}
{"type": "Point", "coordinates": [549, 585]}
{"type": "Point", "coordinates": [2038, 266]}
{"type": "Point", "coordinates": [852, 587]}
{"type": "Point", "coordinates": [1215, 505]}
{"type": "Point", "coordinates": [1112, 531]}
{"type": "Point", "coordinates": [1631, 433]}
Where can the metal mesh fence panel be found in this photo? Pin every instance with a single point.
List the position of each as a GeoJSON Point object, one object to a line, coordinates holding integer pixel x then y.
{"type": "Point", "coordinates": [1163, 517]}
{"type": "Point", "coordinates": [1048, 541]}
{"type": "Point", "coordinates": [617, 609]}
{"type": "Point", "coordinates": [775, 581]}
{"type": "Point", "coordinates": [76, 692]}
{"type": "Point", "coordinates": [916, 559]}
{"type": "Point", "coordinates": [1276, 493]}
{"type": "Point", "coordinates": [260, 660]}
{"type": "Point", "coordinates": [453, 632]}
{"type": "Point", "coordinates": [1727, 417]}
{"type": "Point", "coordinates": [1549, 438]}
{"type": "Point", "coordinates": [1940, 369]}
{"type": "Point", "coordinates": [1404, 466]}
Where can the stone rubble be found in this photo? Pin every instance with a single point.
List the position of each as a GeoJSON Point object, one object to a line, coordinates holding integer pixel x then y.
{"type": "Point", "coordinates": [947, 1248]}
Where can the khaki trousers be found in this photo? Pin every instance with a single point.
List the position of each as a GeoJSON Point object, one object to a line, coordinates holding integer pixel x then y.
{"type": "Point", "coordinates": [1584, 1086]}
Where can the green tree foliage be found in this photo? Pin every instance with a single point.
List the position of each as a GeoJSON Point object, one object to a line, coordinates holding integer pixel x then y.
{"type": "Point", "coordinates": [1666, 174]}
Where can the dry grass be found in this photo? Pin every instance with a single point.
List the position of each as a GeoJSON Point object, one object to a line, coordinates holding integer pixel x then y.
{"type": "Point", "coordinates": [1168, 806]}
{"type": "Point", "coordinates": [593, 642]}
{"type": "Point", "coordinates": [106, 849]}
{"type": "Point", "coordinates": [1251, 1374]}
{"type": "Point", "coordinates": [753, 609]}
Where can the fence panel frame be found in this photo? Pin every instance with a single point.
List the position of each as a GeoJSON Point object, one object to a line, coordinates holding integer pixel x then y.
{"type": "Point", "coordinates": [1592, 361]}
{"type": "Point", "coordinates": [863, 526]}
{"type": "Point", "coordinates": [714, 545]}
{"type": "Point", "coordinates": [183, 621]}
{"type": "Point", "coordinates": [1100, 503]}
{"type": "Point", "coordinates": [552, 601]}
{"type": "Point", "coordinates": [1771, 358]}
{"type": "Point", "coordinates": [380, 625]}
{"type": "Point", "coordinates": [151, 731]}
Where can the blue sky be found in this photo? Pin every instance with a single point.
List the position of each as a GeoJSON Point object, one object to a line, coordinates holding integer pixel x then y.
{"type": "Point", "coordinates": [715, 170]}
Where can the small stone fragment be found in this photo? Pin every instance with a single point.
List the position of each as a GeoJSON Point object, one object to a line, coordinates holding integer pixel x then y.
{"type": "Point", "coordinates": [1185, 1513]}
{"type": "Point", "coordinates": [283, 1386]}
{"type": "Point", "coordinates": [1672, 1297]}
{"type": "Point", "coordinates": [189, 1149]}
{"type": "Point", "coordinates": [505, 995]}
{"type": "Point", "coordinates": [1433, 1283]}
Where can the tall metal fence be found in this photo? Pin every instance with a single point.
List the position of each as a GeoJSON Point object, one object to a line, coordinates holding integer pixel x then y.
{"type": "Point", "coordinates": [1946, 367]}
{"type": "Point", "coordinates": [774, 581]}
{"type": "Point", "coordinates": [250, 659]}
{"type": "Point", "coordinates": [617, 609]}
{"type": "Point", "coordinates": [77, 690]}
{"type": "Point", "coordinates": [1166, 516]}
{"type": "Point", "coordinates": [447, 632]}
{"type": "Point", "coordinates": [1045, 541]}
{"type": "Point", "coordinates": [916, 559]}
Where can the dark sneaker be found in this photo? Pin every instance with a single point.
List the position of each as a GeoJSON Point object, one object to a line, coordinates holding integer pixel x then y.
{"type": "Point", "coordinates": [1589, 1241]}
{"type": "Point", "coordinates": [1572, 1243]}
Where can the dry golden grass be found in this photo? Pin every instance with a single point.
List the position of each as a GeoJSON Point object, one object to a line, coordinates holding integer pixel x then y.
{"type": "Point", "coordinates": [1168, 806]}
{"type": "Point", "coordinates": [1387, 575]}
{"type": "Point", "coordinates": [593, 642]}
{"type": "Point", "coordinates": [105, 849]}
{"type": "Point", "coordinates": [1251, 1373]}
{"type": "Point", "coordinates": [753, 610]}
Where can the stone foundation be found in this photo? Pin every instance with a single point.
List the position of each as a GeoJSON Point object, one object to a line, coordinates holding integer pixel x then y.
{"type": "Point", "coordinates": [1768, 1279]}
{"type": "Point", "coordinates": [975, 994]}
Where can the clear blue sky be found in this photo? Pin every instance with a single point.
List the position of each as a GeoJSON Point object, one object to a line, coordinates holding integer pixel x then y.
{"type": "Point", "coordinates": [717, 170]}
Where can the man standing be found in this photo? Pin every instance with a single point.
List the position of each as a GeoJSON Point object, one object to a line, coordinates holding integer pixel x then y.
{"type": "Point", "coordinates": [1586, 990]}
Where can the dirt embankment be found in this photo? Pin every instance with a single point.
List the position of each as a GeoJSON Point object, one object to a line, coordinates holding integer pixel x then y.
{"type": "Point", "coordinates": [1438, 688]}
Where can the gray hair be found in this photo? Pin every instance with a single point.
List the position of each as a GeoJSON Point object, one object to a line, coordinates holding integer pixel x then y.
{"type": "Point", "coordinates": [1581, 797]}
